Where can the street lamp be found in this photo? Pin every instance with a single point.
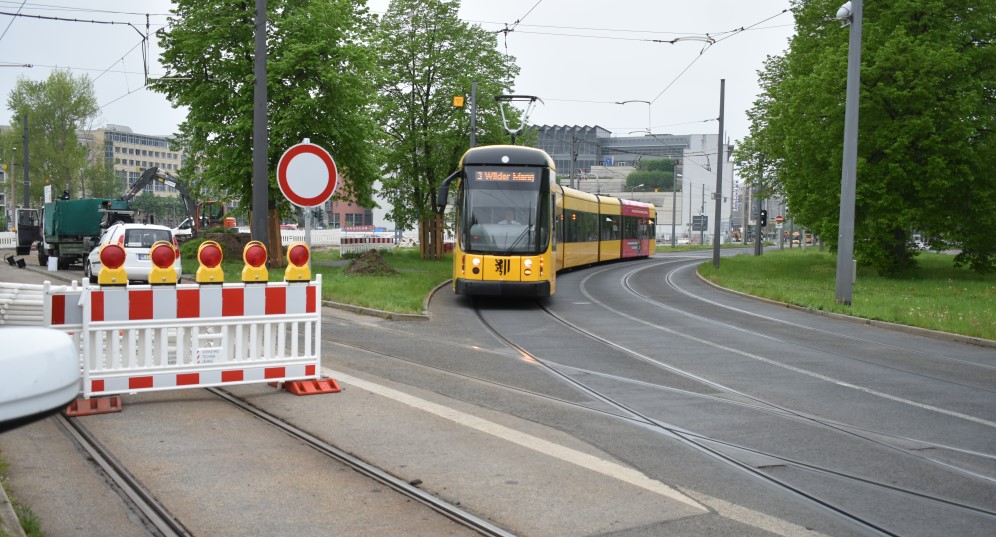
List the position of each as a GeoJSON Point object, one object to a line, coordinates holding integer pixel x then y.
{"type": "Point", "coordinates": [648, 103]}
{"type": "Point", "coordinates": [634, 188]}
{"type": "Point", "coordinates": [849, 14]}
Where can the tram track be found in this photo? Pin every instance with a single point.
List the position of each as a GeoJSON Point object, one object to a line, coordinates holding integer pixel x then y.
{"type": "Point", "coordinates": [711, 446]}
{"type": "Point", "coordinates": [159, 522]}
{"type": "Point", "coordinates": [736, 397]}
{"type": "Point", "coordinates": [154, 515]}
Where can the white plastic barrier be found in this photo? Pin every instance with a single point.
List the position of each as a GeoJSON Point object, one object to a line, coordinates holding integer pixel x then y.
{"type": "Point", "coordinates": [319, 237]}
{"type": "Point", "coordinates": [357, 243]}
{"type": "Point", "coordinates": [140, 338]}
{"type": "Point", "coordinates": [8, 239]}
{"type": "Point", "coordinates": [23, 304]}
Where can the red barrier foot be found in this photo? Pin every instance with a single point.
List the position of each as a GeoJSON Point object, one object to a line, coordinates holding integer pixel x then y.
{"type": "Point", "coordinates": [312, 387]}
{"type": "Point", "coordinates": [96, 405]}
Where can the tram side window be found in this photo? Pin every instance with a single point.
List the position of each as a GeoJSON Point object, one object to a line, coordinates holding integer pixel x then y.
{"type": "Point", "coordinates": [580, 226]}
{"type": "Point", "coordinates": [610, 227]}
{"type": "Point", "coordinates": [631, 228]}
{"type": "Point", "coordinates": [647, 229]}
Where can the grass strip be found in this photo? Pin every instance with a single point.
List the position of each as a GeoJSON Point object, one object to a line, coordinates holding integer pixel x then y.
{"type": "Point", "coordinates": [934, 295]}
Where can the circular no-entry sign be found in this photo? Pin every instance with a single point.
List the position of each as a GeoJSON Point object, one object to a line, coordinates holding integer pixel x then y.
{"type": "Point", "coordinates": [306, 175]}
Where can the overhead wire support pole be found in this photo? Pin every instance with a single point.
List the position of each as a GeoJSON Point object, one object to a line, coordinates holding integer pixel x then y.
{"type": "Point", "coordinates": [719, 178]}
{"type": "Point", "coordinates": [26, 165]}
{"type": "Point", "coordinates": [260, 143]}
{"type": "Point", "coordinates": [850, 13]}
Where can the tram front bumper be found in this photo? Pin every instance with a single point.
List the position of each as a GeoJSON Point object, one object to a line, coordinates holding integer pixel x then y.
{"type": "Point", "coordinates": [536, 289]}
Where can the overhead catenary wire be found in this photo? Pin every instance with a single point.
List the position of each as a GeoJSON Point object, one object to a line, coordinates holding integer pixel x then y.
{"type": "Point", "coordinates": [12, 20]}
{"type": "Point", "coordinates": [54, 7]}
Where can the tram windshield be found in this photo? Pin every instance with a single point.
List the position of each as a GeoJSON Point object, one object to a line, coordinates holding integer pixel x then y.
{"type": "Point", "coordinates": [502, 212]}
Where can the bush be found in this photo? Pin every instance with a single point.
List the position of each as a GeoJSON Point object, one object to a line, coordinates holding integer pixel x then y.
{"type": "Point", "coordinates": [188, 250]}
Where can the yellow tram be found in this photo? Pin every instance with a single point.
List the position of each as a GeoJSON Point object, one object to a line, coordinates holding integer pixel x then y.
{"type": "Point", "coordinates": [516, 227]}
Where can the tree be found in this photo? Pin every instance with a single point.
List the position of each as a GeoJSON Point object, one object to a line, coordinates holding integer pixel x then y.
{"type": "Point", "coordinates": [56, 109]}
{"type": "Point", "coordinates": [320, 84]}
{"type": "Point", "coordinates": [166, 210]}
{"type": "Point", "coordinates": [653, 174]}
{"type": "Point", "coordinates": [926, 131]}
{"type": "Point", "coordinates": [428, 56]}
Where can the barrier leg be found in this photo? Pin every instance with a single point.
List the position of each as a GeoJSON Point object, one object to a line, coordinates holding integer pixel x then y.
{"type": "Point", "coordinates": [94, 405]}
{"type": "Point", "coordinates": [312, 387]}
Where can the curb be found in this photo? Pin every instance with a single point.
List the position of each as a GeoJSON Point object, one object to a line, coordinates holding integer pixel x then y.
{"type": "Point", "coordinates": [9, 523]}
{"type": "Point", "coordinates": [914, 330]}
{"type": "Point", "coordinates": [390, 315]}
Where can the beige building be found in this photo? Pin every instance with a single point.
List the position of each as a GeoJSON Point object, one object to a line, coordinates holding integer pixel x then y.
{"type": "Point", "coordinates": [132, 153]}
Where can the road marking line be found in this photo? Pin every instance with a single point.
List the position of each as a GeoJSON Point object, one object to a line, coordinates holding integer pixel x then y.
{"type": "Point", "coordinates": [702, 502]}
{"type": "Point", "coordinates": [584, 460]}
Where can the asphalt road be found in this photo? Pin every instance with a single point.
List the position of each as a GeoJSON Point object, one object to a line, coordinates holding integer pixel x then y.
{"type": "Point", "coordinates": [639, 401]}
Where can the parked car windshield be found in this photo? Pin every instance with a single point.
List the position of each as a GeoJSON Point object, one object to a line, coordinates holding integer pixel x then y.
{"type": "Point", "coordinates": [145, 238]}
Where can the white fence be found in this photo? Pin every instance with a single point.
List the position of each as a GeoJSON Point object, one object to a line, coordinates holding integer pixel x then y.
{"type": "Point", "coordinates": [8, 239]}
{"type": "Point", "coordinates": [23, 304]}
{"type": "Point", "coordinates": [140, 338]}
{"type": "Point", "coordinates": [319, 237]}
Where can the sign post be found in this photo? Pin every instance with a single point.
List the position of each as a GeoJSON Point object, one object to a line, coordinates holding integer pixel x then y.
{"type": "Point", "coordinates": [307, 177]}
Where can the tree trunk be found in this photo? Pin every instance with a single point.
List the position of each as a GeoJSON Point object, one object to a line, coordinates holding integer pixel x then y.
{"type": "Point", "coordinates": [276, 248]}
{"type": "Point", "coordinates": [430, 231]}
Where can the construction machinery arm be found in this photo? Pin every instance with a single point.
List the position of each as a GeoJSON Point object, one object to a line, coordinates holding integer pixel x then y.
{"type": "Point", "coordinates": [158, 174]}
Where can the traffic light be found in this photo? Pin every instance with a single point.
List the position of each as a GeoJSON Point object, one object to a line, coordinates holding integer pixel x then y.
{"type": "Point", "coordinates": [162, 254]}
{"type": "Point", "coordinates": [764, 217]}
{"type": "Point", "coordinates": [254, 256]}
{"type": "Point", "coordinates": [298, 270]}
{"type": "Point", "coordinates": [112, 272]}
{"type": "Point", "coordinates": [209, 255]}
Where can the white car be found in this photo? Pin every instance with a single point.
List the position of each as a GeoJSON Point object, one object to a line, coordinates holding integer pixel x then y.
{"type": "Point", "coordinates": [136, 239]}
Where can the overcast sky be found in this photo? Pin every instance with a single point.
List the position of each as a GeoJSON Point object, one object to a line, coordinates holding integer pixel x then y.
{"type": "Point", "coordinates": [578, 56]}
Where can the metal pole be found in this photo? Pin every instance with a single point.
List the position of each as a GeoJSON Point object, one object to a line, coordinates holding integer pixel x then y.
{"type": "Point", "coordinates": [473, 113]}
{"type": "Point", "coordinates": [757, 221]}
{"type": "Point", "coordinates": [848, 178]}
{"type": "Point", "coordinates": [260, 143]}
{"type": "Point", "coordinates": [674, 192]}
{"type": "Point", "coordinates": [701, 214]}
{"type": "Point", "coordinates": [24, 164]}
{"type": "Point", "coordinates": [719, 178]}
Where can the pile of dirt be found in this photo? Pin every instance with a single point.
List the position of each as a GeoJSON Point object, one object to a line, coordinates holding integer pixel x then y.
{"type": "Point", "coordinates": [232, 244]}
{"type": "Point", "coordinates": [370, 263]}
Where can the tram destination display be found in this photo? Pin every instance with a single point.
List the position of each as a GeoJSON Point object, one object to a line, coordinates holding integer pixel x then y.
{"type": "Point", "coordinates": [506, 176]}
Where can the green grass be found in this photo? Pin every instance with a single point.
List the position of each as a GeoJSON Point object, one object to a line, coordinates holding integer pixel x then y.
{"type": "Point", "coordinates": [402, 293]}
{"type": "Point", "coordinates": [935, 295]}
{"type": "Point", "coordinates": [30, 523]}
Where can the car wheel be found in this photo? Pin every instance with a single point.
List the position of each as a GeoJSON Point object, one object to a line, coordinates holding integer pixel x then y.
{"type": "Point", "coordinates": [88, 271]}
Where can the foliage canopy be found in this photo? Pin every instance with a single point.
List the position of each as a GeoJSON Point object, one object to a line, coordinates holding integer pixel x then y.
{"type": "Point", "coordinates": [926, 144]}
{"type": "Point", "coordinates": [428, 56]}
{"type": "Point", "coordinates": [320, 84]}
{"type": "Point", "coordinates": [57, 108]}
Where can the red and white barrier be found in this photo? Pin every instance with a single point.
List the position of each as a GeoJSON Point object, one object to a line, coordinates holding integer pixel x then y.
{"type": "Point", "coordinates": [140, 338]}
{"type": "Point", "coordinates": [27, 304]}
{"type": "Point", "coordinates": [358, 243]}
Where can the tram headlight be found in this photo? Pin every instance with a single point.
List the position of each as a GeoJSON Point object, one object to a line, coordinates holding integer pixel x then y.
{"type": "Point", "coordinates": [476, 261]}
{"type": "Point", "coordinates": [528, 263]}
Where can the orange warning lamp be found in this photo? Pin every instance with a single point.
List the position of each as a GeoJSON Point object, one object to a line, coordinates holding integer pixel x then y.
{"type": "Point", "coordinates": [112, 272]}
{"type": "Point", "coordinates": [298, 269]}
{"type": "Point", "coordinates": [162, 254]}
{"type": "Point", "coordinates": [209, 255]}
{"type": "Point", "coordinates": [254, 256]}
